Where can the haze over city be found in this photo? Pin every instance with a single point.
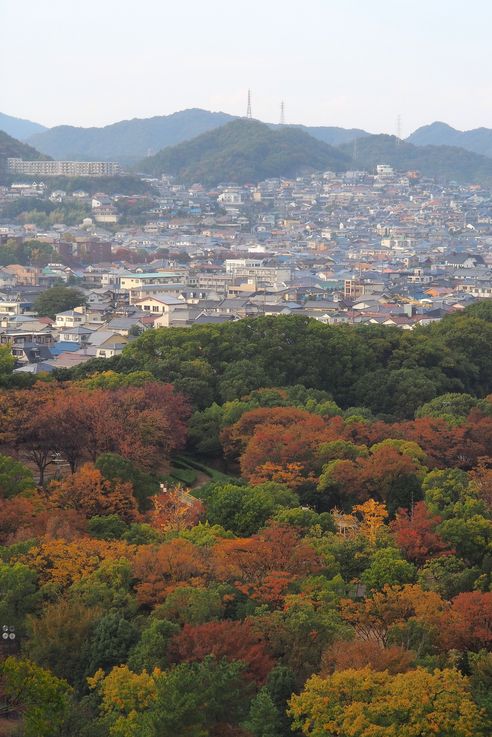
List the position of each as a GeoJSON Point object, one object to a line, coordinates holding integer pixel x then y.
{"type": "Point", "coordinates": [340, 62]}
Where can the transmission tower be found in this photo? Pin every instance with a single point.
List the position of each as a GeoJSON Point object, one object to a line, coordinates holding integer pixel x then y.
{"type": "Point", "coordinates": [248, 109]}
{"type": "Point", "coordinates": [398, 128]}
{"type": "Point", "coordinates": [282, 113]}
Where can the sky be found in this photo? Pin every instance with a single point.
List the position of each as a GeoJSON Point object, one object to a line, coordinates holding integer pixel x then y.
{"type": "Point", "coordinates": [352, 63]}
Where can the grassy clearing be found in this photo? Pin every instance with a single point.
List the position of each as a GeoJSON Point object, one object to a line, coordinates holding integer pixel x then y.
{"type": "Point", "coordinates": [183, 462]}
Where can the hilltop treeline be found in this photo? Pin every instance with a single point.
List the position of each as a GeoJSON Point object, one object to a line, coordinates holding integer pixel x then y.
{"type": "Point", "coordinates": [387, 370]}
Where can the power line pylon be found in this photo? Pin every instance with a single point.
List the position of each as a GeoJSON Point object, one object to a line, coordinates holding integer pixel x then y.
{"type": "Point", "coordinates": [248, 109]}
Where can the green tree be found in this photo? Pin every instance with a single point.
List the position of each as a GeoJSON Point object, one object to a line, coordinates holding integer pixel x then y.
{"type": "Point", "coordinates": [263, 718]}
{"type": "Point", "coordinates": [204, 430]}
{"type": "Point", "coordinates": [452, 406]}
{"type": "Point", "coordinates": [471, 536]}
{"type": "Point", "coordinates": [58, 637]}
{"type": "Point", "coordinates": [116, 468]}
{"type": "Point", "coordinates": [7, 363]}
{"type": "Point", "coordinates": [108, 587]}
{"type": "Point", "coordinates": [448, 576]}
{"type": "Point", "coordinates": [43, 699]}
{"type": "Point", "coordinates": [187, 605]}
{"type": "Point", "coordinates": [151, 650]}
{"type": "Point", "coordinates": [58, 299]}
{"type": "Point", "coordinates": [14, 477]}
{"type": "Point", "coordinates": [192, 699]}
{"type": "Point", "coordinates": [388, 567]}
{"type": "Point", "coordinates": [110, 527]}
{"type": "Point", "coordinates": [245, 509]}
{"type": "Point", "coordinates": [18, 594]}
{"type": "Point", "coordinates": [281, 684]}
{"type": "Point", "coordinates": [111, 641]}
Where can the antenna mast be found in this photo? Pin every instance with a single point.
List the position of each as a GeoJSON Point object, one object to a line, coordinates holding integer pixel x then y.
{"type": "Point", "coordinates": [282, 113]}
{"type": "Point", "coordinates": [248, 109]}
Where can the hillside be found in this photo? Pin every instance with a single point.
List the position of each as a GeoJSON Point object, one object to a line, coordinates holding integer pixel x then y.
{"type": "Point", "coordinates": [11, 147]}
{"type": "Point", "coordinates": [127, 141]}
{"type": "Point", "coordinates": [245, 151]}
{"type": "Point", "coordinates": [18, 127]}
{"type": "Point", "coordinates": [478, 140]}
{"type": "Point", "coordinates": [433, 161]}
{"type": "Point", "coordinates": [334, 135]}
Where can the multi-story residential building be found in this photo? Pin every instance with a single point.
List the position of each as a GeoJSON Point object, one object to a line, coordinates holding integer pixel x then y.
{"type": "Point", "coordinates": [63, 168]}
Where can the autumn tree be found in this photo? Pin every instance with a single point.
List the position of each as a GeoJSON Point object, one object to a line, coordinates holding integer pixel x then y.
{"type": "Point", "coordinates": [87, 491]}
{"type": "Point", "coordinates": [346, 654]}
{"type": "Point", "coordinates": [283, 446]}
{"type": "Point", "coordinates": [468, 626]}
{"type": "Point", "coordinates": [174, 509]}
{"type": "Point", "coordinates": [387, 612]}
{"type": "Point", "coordinates": [415, 533]}
{"type": "Point", "coordinates": [265, 565]}
{"type": "Point", "coordinates": [159, 569]}
{"type": "Point", "coordinates": [361, 703]}
{"type": "Point", "coordinates": [60, 563]}
{"type": "Point", "coordinates": [26, 424]}
{"type": "Point", "coordinates": [227, 639]}
{"type": "Point", "coordinates": [142, 423]}
{"type": "Point", "coordinates": [481, 482]}
{"type": "Point", "coordinates": [373, 515]}
{"type": "Point", "coordinates": [207, 697]}
{"type": "Point", "coordinates": [389, 474]}
{"type": "Point", "coordinates": [236, 437]}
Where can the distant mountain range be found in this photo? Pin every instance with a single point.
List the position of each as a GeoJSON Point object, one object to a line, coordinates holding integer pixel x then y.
{"type": "Point", "coordinates": [131, 140]}
{"type": "Point", "coordinates": [199, 145]}
{"type": "Point", "coordinates": [18, 127]}
{"type": "Point", "coordinates": [448, 162]}
{"type": "Point", "coordinates": [245, 151]}
{"type": "Point", "coordinates": [478, 140]}
{"type": "Point", "coordinates": [248, 151]}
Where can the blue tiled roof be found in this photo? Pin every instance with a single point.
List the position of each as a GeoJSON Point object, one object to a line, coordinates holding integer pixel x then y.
{"type": "Point", "coordinates": [64, 346]}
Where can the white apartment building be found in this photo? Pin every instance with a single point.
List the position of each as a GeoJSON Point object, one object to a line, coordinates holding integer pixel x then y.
{"type": "Point", "coordinates": [64, 168]}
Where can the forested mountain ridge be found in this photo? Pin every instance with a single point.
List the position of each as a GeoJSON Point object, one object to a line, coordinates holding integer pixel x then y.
{"type": "Point", "coordinates": [12, 148]}
{"type": "Point", "coordinates": [446, 162]}
{"type": "Point", "coordinates": [478, 140]}
{"type": "Point", "coordinates": [126, 141]}
{"type": "Point", "coordinates": [19, 127]}
{"type": "Point", "coordinates": [245, 151]}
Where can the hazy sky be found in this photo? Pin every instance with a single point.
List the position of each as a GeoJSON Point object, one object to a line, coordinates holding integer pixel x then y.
{"type": "Point", "coordinates": [354, 63]}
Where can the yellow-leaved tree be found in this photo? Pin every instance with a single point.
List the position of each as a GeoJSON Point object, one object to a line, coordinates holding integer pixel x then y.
{"type": "Point", "coordinates": [366, 703]}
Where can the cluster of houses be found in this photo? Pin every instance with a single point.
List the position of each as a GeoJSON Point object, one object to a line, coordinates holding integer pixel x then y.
{"type": "Point", "coordinates": [385, 248]}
